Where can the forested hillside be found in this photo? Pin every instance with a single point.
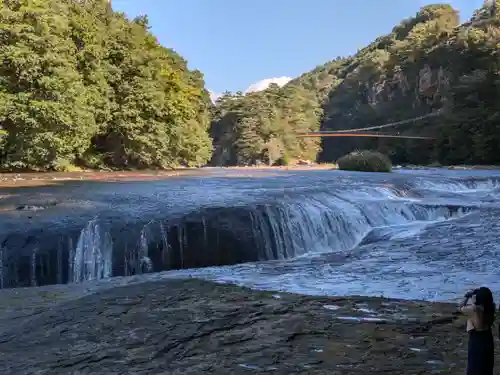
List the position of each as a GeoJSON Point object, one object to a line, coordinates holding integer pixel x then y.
{"type": "Point", "coordinates": [262, 127]}
{"type": "Point", "coordinates": [428, 63]}
{"type": "Point", "coordinates": [82, 85]}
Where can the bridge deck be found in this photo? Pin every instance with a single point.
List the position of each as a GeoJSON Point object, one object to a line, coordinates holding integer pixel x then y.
{"type": "Point", "coordinates": [372, 135]}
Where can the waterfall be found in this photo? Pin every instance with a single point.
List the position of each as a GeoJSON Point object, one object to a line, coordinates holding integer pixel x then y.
{"type": "Point", "coordinates": [460, 186]}
{"type": "Point", "coordinates": [326, 223]}
{"type": "Point", "coordinates": [136, 258]}
{"type": "Point", "coordinates": [145, 264]}
{"type": "Point", "coordinates": [33, 267]}
{"type": "Point", "coordinates": [331, 219]}
{"type": "Point", "coordinates": [92, 257]}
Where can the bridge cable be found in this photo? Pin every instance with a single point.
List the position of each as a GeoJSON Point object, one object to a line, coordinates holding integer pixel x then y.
{"type": "Point", "coordinates": [438, 113]}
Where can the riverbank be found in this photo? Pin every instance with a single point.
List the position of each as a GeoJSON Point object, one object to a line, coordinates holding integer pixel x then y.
{"type": "Point", "coordinates": [51, 178]}
{"type": "Point", "coordinates": [195, 327]}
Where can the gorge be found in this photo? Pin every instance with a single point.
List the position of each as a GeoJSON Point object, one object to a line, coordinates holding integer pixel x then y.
{"type": "Point", "coordinates": [136, 105]}
{"type": "Point", "coordinates": [98, 277]}
{"type": "Point", "coordinates": [196, 273]}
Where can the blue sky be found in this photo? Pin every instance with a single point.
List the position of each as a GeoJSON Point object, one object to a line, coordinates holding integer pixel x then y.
{"type": "Point", "coordinates": [237, 43]}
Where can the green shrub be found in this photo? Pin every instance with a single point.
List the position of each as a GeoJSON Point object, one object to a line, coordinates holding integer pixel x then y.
{"type": "Point", "coordinates": [64, 165]}
{"type": "Point", "coordinates": [365, 161]}
{"type": "Point", "coordinates": [283, 161]}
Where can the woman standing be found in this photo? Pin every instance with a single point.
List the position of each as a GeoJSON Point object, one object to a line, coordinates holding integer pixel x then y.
{"type": "Point", "coordinates": [478, 305]}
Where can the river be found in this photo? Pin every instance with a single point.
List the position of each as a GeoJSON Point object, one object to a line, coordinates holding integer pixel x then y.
{"type": "Point", "coordinates": [412, 234]}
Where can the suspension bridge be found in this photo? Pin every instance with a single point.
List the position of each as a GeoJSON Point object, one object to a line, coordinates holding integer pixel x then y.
{"type": "Point", "coordinates": [361, 132]}
{"type": "Point", "coordinates": [488, 14]}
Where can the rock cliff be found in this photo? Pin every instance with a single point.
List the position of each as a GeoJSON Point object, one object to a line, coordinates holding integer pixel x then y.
{"type": "Point", "coordinates": [418, 69]}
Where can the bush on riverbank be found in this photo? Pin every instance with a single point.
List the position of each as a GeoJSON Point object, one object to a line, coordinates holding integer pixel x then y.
{"type": "Point", "coordinates": [365, 161]}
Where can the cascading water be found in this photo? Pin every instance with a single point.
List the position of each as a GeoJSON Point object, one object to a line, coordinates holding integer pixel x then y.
{"type": "Point", "coordinates": [460, 186]}
{"type": "Point", "coordinates": [92, 257]}
{"type": "Point", "coordinates": [283, 230]}
{"type": "Point", "coordinates": [33, 267]}
{"type": "Point", "coordinates": [137, 261]}
{"type": "Point", "coordinates": [329, 223]}
{"type": "Point", "coordinates": [329, 218]}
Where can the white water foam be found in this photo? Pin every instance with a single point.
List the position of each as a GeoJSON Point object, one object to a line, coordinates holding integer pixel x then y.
{"type": "Point", "coordinates": [92, 257]}
{"type": "Point", "coordinates": [330, 223]}
{"type": "Point", "coordinates": [460, 186]}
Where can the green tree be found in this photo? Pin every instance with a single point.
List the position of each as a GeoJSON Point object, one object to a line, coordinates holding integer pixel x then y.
{"type": "Point", "coordinates": [81, 84]}
{"type": "Point", "coordinates": [265, 127]}
{"type": "Point", "coordinates": [44, 104]}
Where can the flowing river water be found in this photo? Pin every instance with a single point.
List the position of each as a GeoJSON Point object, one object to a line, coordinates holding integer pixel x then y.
{"type": "Point", "coordinates": [426, 234]}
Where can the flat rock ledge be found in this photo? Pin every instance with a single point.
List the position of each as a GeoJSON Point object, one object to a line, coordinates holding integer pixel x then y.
{"type": "Point", "coordinates": [198, 327]}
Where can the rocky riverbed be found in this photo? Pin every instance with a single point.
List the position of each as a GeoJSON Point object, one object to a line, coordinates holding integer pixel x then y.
{"type": "Point", "coordinates": [34, 179]}
{"type": "Point", "coordinates": [198, 327]}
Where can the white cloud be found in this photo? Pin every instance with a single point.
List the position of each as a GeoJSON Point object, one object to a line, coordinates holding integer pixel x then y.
{"type": "Point", "coordinates": [264, 84]}
{"type": "Point", "coordinates": [257, 86]}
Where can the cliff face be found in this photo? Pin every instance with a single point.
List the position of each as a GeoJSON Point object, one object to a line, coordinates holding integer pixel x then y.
{"type": "Point", "coordinates": [429, 67]}
{"type": "Point", "coordinates": [412, 72]}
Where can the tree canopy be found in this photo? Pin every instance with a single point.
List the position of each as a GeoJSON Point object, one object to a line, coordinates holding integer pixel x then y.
{"type": "Point", "coordinates": [263, 127]}
{"type": "Point", "coordinates": [428, 63]}
{"type": "Point", "coordinates": [81, 84]}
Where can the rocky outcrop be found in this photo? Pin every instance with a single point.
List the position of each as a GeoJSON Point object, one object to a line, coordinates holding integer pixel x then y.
{"type": "Point", "coordinates": [195, 327]}
{"type": "Point", "coordinates": [406, 74]}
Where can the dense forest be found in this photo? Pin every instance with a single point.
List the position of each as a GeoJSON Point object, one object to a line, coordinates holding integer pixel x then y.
{"type": "Point", "coordinates": [83, 86]}
{"type": "Point", "coordinates": [263, 127]}
{"type": "Point", "coordinates": [429, 64]}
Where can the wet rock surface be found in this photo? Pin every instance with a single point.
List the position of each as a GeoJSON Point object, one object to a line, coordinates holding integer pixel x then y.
{"type": "Point", "coordinates": [198, 327]}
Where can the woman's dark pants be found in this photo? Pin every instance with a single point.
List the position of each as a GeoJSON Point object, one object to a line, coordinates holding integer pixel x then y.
{"type": "Point", "coordinates": [480, 359]}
